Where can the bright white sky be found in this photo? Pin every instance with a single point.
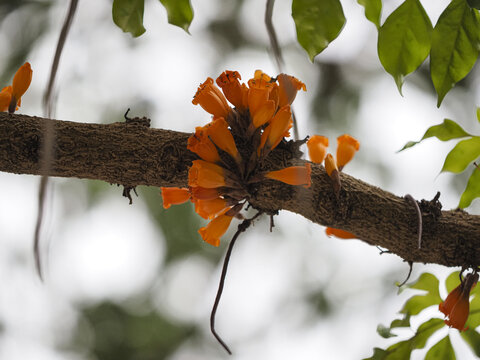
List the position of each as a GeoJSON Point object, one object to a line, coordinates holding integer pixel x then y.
{"type": "Point", "coordinates": [113, 252]}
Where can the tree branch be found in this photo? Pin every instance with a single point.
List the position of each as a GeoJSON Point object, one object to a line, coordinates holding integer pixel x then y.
{"type": "Point", "coordinates": [133, 154]}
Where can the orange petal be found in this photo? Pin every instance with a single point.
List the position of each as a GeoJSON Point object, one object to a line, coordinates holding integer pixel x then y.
{"type": "Point", "coordinates": [216, 228]}
{"type": "Point", "coordinates": [22, 80]}
{"type": "Point", "coordinates": [5, 98]}
{"type": "Point", "coordinates": [200, 144]}
{"type": "Point", "coordinates": [205, 174]}
{"type": "Point", "coordinates": [330, 164]}
{"type": "Point", "coordinates": [264, 113]}
{"type": "Point", "coordinates": [208, 209]}
{"type": "Point", "coordinates": [346, 149]}
{"type": "Point", "coordinates": [293, 175]}
{"type": "Point", "coordinates": [260, 75]}
{"type": "Point", "coordinates": [201, 193]}
{"type": "Point", "coordinates": [342, 234]}
{"type": "Point", "coordinates": [317, 148]}
{"type": "Point", "coordinates": [288, 88]}
{"type": "Point", "coordinates": [211, 99]}
{"type": "Point", "coordinates": [220, 134]}
{"type": "Point", "coordinates": [258, 93]}
{"type": "Point", "coordinates": [229, 82]}
{"type": "Point", "coordinates": [280, 123]}
{"type": "Point", "coordinates": [174, 196]}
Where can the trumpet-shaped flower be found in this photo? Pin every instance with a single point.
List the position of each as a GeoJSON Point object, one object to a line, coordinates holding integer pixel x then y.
{"type": "Point", "coordinates": [20, 84]}
{"type": "Point", "coordinates": [200, 144]}
{"type": "Point", "coordinates": [330, 164]}
{"type": "Point", "coordinates": [288, 88]}
{"type": "Point", "coordinates": [457, 304]}
{"type": "Point", "coordinates": [216, 228]}
{"type": "Point", "coordinates": [293, 175]}
{"type": "Point", "coordinates": [339, 233]}
{"type": "Point", "coordinates": [317, 148]}
{"type": "Point", "coordinates": [258, 93]}
{"type": "Point", "coordinates": [205, 174]}
{"type": "Point", "coordinates": [346, 149]}
{"type": "Point", "coordinates": [211, 99]}
{"type": "Point", "coordinates": [174, 196]}
{"type": "Point", "coordinates": [229, 82]}
{"type": "Point", "coordinates": [218, 131]}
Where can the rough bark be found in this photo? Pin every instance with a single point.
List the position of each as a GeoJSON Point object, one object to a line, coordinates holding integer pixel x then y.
{"type": "Point", "coordinates": [133, 154]}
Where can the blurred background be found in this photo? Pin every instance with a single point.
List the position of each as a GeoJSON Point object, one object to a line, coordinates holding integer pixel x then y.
{"type": "Point", "coordinates": [137, 282]}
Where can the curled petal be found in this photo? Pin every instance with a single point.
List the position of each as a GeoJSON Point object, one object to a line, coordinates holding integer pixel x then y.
{"type": "Point", "coordinates": [208, 209]}
{"type": "Point", "coordinates": [216, 228]}
{"type": "Point", "coordinates": [346, 149]}
{"type": "Point", "coordinates": [211, 99]}
{"type": "Point", "coordinates": [174, 196]}
{"type": "Point", "coordinates": [288, 88]}
{"type": "Point", "coordinates": [275, 131]}
{"type": "Point", "coordinates": [293, 175]}
{"type": "Point", "coordinates": [205, 174]}
{"type": "Point", "coordinates": [200, 144]}
{"type": "Point", "coordinates": [317, 148]}
{"type": "Point", "coordinates": [339, 233]}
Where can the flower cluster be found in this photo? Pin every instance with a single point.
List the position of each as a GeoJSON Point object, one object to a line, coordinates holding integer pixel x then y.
{"type": "Point", "coordinates": [10, 96]}
{"type": "Point", "coordinates": [233, 146]}
{"type": "Point", "coordinates": [347, 146]}
{"type": "Point", "coordinates": [457, 304]}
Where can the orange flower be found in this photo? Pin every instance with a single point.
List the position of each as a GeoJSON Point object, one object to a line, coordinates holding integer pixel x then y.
{"type": "Point", "coordinates": [211, 99]}
{"type": "Point", "coordinates": [229, 82]}
{"type": "Point", "coordinates": [258, 93]}
{"type": "Point", "coordinates": [208, 209]}
{"type": "Point", "coordinates": [317, 148]}
{"type": "Point", "coordinates": [275, 131]}
{"type": "Point", "coordinates": [288, 88]}
{"type": "Point", "coordinates": [264, 113]}
{"type": "Point", "coordinates": [342, 234]}
{"type": "Point", "coordinates": [202, 193]}
{"type": "Point", "coordinates": [174, 196]}
{"type": "Point", "coordinates": [330, 165]}
{"type": "Point", "coordinates": [346, 149]}
{"type": "Point", "coordinates": [201, 145]}
{"type": "Point", "coordinates": [216, 228]}
{"type": "Point", "coordinates": [20, 84]}
{"type": "Point", "coordinates": [5, 98]}
{"type": "Point", "coordinates": [205, 174]}
{"type": "Point", "coordinates": [222, 137]}
{"type": "Point", "coordinates": [293, 175]}
{"type": "Point", "coordinates": [457, 304]}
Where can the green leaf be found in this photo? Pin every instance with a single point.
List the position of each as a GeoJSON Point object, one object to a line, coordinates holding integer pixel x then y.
{"type": "Point", "coordinates": [378, 354]}
{"type": "Point", "coordinates": [447, 130]}
{"type": "Point", "coordinates": [462, 154]}
{"type": "Point", "coordinates": [472, 338]}
{"type": "Point", "coordinates": [373, 10]}
{"type": "Point", "coordinates": [417, 303]}
{"type": "Point", "coordinates": [179, 12]}
{"type": "Point", "coordinates": [128, 16]}
{"type": "Point", "coordinates": [386, 332]}
{"type": "Point", "coordinates": [424, 331]}
{"type": "Point", "coordinates": [478, 114]}
{"type": "Point", "coordinates": [455, 46]}
{"type": "Point", "coordinates": [452, 281]}
{"type": "Point", "coordinates": [441, 350]}
{"type": "Point", "coordinates": [404, 40]}
{"type": "Point", "coordinates": [317, 23]}
{"type": "Point", "coordinates": [472, 191]}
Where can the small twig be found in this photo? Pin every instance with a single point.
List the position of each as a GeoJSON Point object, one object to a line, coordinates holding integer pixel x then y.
{"type": "Point", "coordinates": [48, 142]}
{"type": "Point", "coordinates": [419, 215]}
{"type": "Point", "coordinates": [126, 115]}
{"type": "Point", "coordinates": [382, 251]}
{"type": "Point", "coordinates": [241, 228]}
{"type": "Point", "coordinates": [410, 264]}
{"type": "Point", "coordinates": [277, 53]}
{"type": "Point", "coordinates": [272, 223]}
